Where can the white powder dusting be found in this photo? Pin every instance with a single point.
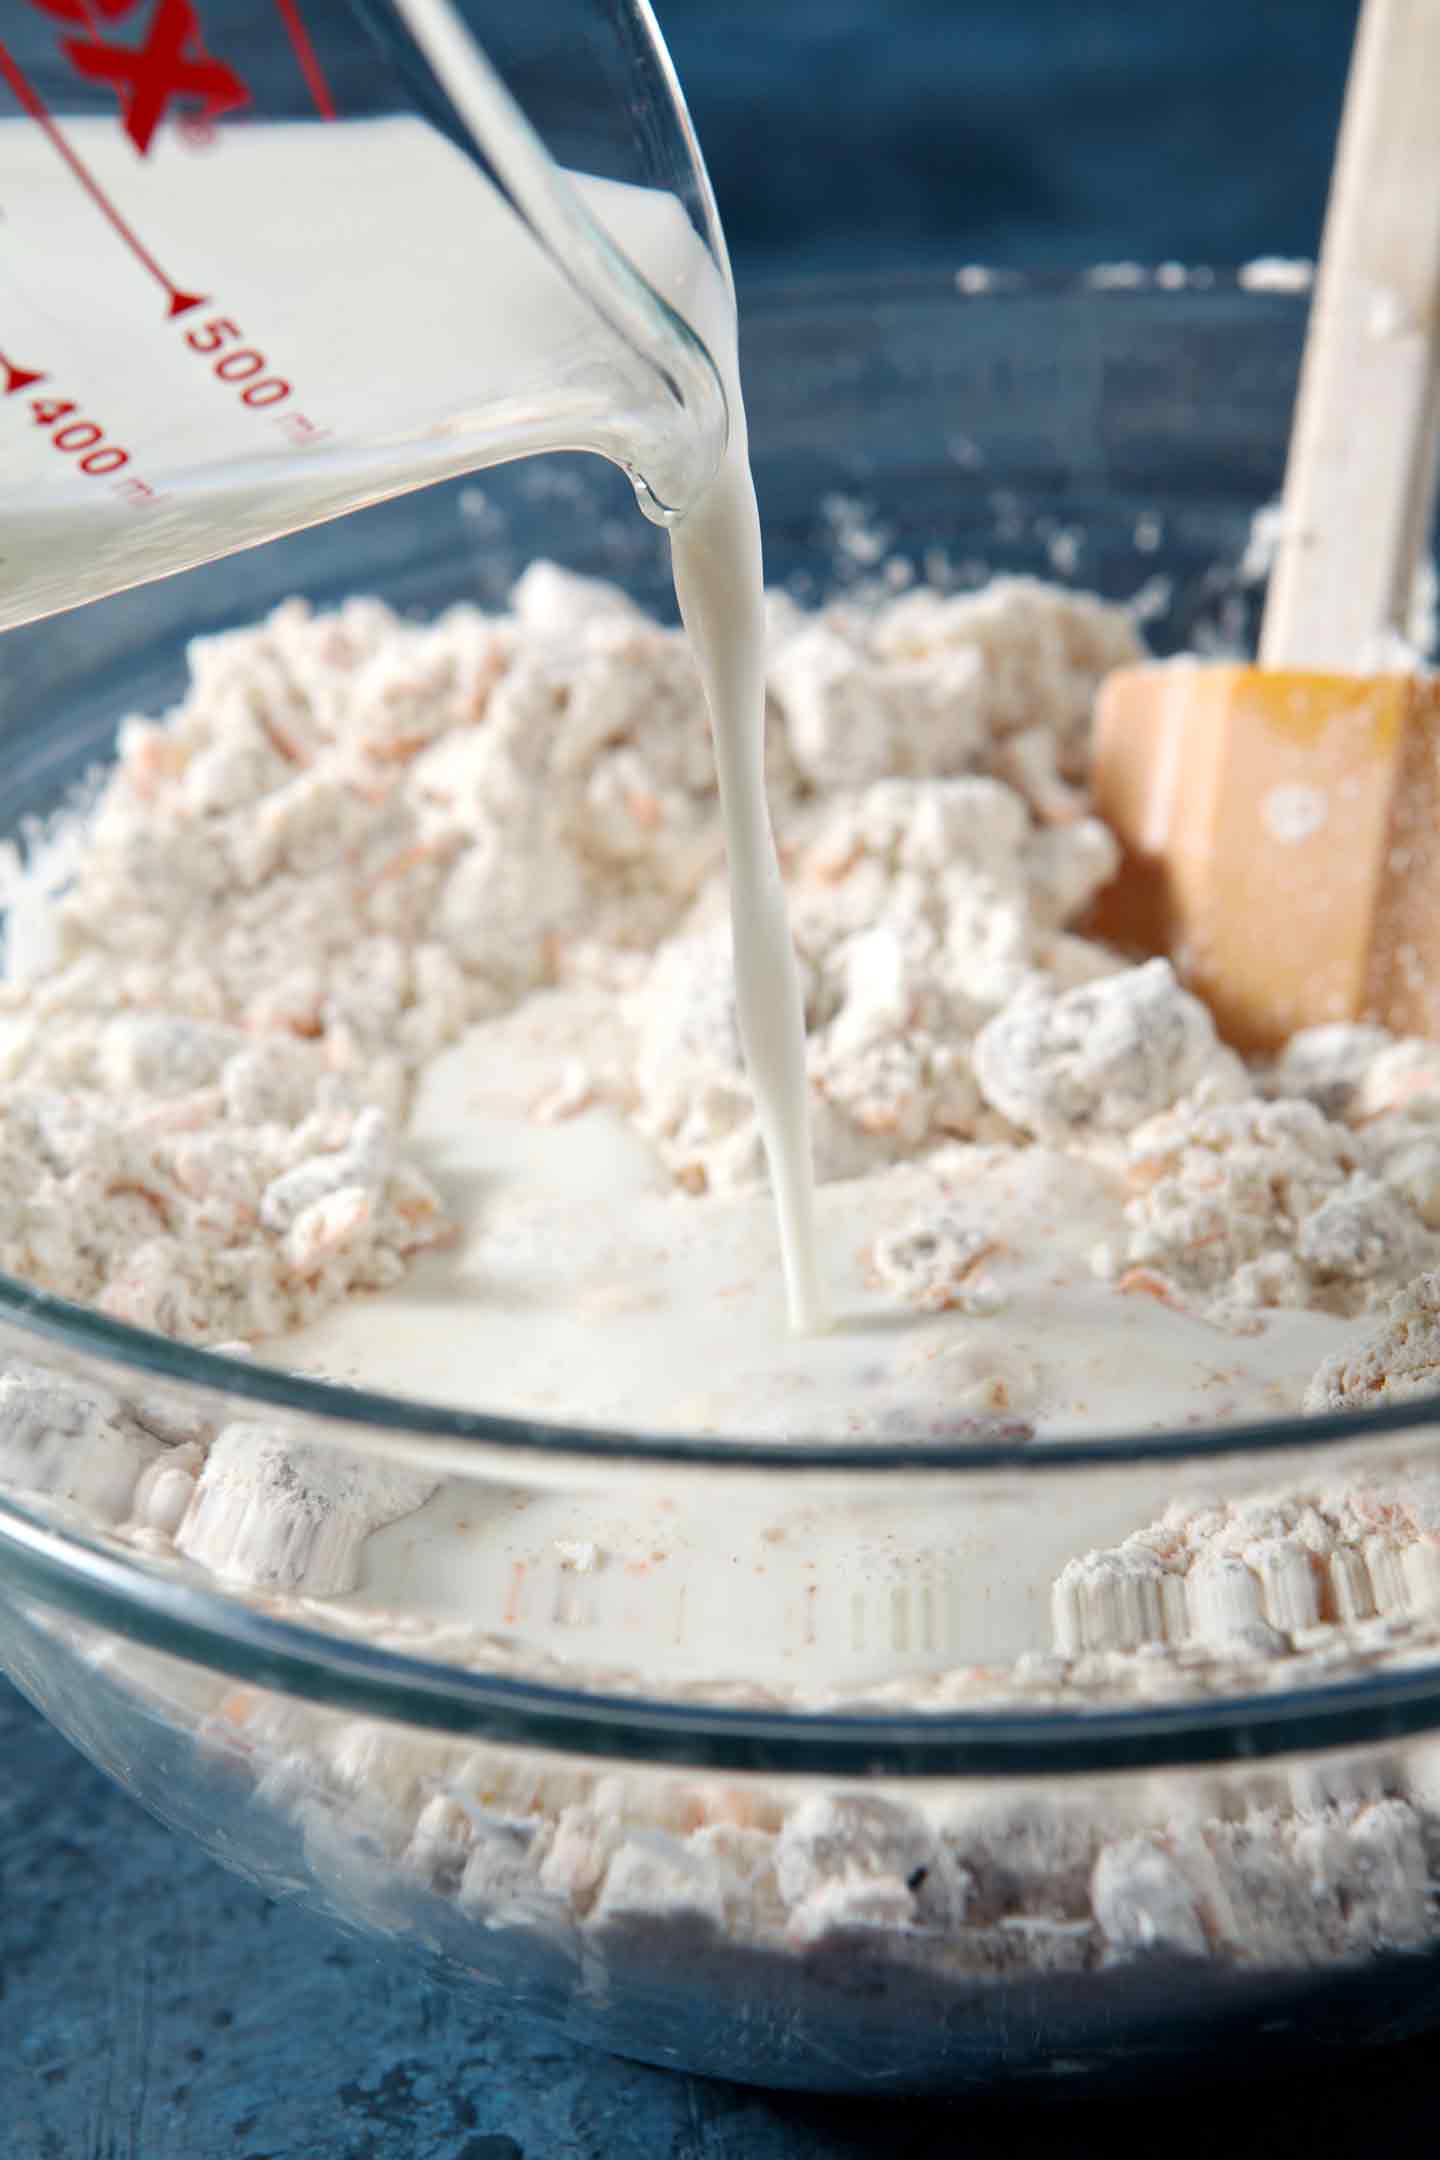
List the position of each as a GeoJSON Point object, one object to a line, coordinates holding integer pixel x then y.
{"type": "Point", "coordinates": [1277, 274]}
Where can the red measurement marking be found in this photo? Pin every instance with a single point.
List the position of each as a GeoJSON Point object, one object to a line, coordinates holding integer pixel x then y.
{"type": "Point", "coordinates": [298, 428]}
{"type": "Point", "coordinates": [18, 378]}
{"type": "Point", "coordinates": [240, 366]}
{"type": "Point", "coordinates": [180, 302]}
{"type": "Point", "coordinates": [80, 438]}
{"type": "Point", "coordinates": [170, 62]}
{"type": "Point", "coordinates": [305, 53]}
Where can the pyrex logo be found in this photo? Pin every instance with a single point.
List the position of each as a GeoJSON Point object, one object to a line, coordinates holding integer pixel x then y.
{"type": "Point", "coordinates": [168, 62]}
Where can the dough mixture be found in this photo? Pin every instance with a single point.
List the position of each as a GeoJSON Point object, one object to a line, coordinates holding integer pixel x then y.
{"type": "Point", "coordinates": [374, 1017]}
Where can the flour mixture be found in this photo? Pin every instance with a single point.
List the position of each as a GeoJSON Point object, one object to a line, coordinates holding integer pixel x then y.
{"type": "Point", "coordinates": [396, 960]}
{"type": "Point", "coordinates": [374, 1017]}
{"type": "Point", "coordinates": [377, 1016]}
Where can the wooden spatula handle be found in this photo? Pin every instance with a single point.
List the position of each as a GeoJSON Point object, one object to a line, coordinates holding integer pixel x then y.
{"type": "Point", "coordinates": [1360, 483]}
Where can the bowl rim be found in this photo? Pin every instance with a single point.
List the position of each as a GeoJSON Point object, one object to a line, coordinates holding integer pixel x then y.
{"type": "Point", "coordinates": [103, 1589]}
{"type": "Point", "coordinates": [360, 1413]}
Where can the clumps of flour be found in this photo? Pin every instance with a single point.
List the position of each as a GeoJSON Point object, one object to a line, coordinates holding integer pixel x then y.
{"type": "Point", "coordinates": [919, 909]}
{"type": "Point", "coordinates": [1101, 1058]}
{"type": "Point", "coordinates": [1362, 1075]}
{"type": "Point", "coordinates": [1319, 1885]}
{"type": "Point", "coordinates": [1399, 1362]}
{"type": "Point", "coordinates": [930, 685]}
{"type": "Point", "coordinates": [350, 839]}
{"type": "Point", "coordinates": [1265, 1866]}
{"type": "Point", "coordinates": [938, 853]}
{"type": "Point", "coordinates": [938, 1267]}
{"type": "Point", "coordinates": [77, 1443]}
{"type": "Point", "coordinates": [271, 1512]}
{"type": "Point", "coordinates": [1314, 1183]}
{"type": "Point", "coordinates": [1248, 1204]}
{"type": "Point", "coordinates": [191, 1177]}
{"type": "Point", "coordinates": [246, 1502]}
{"type": "Point", "coordinates": [355, 835]}
{"type": "Point", "coordinates": [1274, 1576]}
{"type": "Point", "coordinates": [1265, 1869]}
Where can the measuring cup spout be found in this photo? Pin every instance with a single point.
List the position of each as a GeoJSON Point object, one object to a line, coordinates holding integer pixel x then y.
{"type": "Point", "coordinates": [658, 328]}
{"type": "Point", "coordinates": [313, 258]}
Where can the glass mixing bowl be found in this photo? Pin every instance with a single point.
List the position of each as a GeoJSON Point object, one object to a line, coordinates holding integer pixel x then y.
{"type": "Point", "coordinates": [946, 1870]}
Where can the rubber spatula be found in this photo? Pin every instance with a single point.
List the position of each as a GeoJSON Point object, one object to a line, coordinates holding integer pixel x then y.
{"type": "Point", "coordinates": [1281, 823]}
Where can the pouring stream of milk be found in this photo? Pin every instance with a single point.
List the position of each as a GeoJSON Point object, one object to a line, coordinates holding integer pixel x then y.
{"type": "Point", "coordinates": [719, 583]}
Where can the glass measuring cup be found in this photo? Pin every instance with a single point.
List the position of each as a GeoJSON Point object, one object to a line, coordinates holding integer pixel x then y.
{"type": "Point", "coordinates": [264, 261]}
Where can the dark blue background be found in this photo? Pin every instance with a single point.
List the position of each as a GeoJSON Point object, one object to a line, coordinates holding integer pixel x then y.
{"type": "Point", "coordinates": [866, 133]}
{"type": "Point", "coordinates": [154, 2008]}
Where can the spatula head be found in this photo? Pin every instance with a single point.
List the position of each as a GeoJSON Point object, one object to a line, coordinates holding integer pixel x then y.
{"type": "Point", "coordinates": [1281, 836]}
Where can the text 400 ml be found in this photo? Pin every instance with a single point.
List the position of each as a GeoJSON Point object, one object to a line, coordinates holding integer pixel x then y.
{"type": "Point", "coordinates": [247, 369]}
{"type": "Point", "coordinates": [84, 441]}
